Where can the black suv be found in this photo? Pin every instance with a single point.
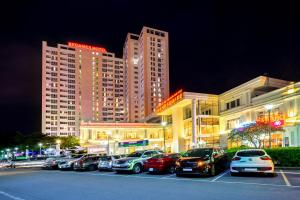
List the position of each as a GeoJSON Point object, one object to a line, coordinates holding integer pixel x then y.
{"type": "Point", "coordinates": [202, 161]}
{"type": "Point", "coordinates": [87, 163]}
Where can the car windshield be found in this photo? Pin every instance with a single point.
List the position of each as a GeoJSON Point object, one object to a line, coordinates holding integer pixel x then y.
{"type": "Point", "coordinates": [135, 154]}
{"type": "Point", "coordinates": [159, 156]}
{"type": "Point", "coordinates": [116, 157]}
{"type": "Point", "coordinates": [253, 153]}
{"type": "Point", "coordinates": [198, 153]}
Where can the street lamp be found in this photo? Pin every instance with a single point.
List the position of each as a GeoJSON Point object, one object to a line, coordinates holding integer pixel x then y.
{"type": "Point", "coordinates": [164, 124]}
{"type": "Point", "coordinates": [7, 152]}
{"type": "Point", "coordinates": [109, 133]}
{"type": "Point", "coordinates": [40, 144]}
{"type": "Point", "coordinates": [269, 108]}
{"type": "Point", "coordinates": [58, 145]}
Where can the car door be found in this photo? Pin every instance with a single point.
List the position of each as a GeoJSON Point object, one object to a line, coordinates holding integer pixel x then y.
{"type": "Point", "coordinates": [216, 157]}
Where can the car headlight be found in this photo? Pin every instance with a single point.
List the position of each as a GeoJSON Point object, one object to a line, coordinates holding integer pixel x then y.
{"type": "Point", "coordinates": [200, 163]}
{"type": "Point", "coordinates": [177, 163]}
{"type": "Point", "coordinates": [130, 161]}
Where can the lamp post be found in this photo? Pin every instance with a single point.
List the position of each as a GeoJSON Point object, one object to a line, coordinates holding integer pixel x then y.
{"type": "Point", "coordinates": [109, 133]}
{"type": "Point", "coordinates": [40, 145]}
{"type": "Point", "coordinates": [164, 124]}
{"type": "Point", "coordinates": [16, 151]}
{"type": "Point", "coordinates": [58, 146]}
{"type": "Point", "coordinates": [7, 152]}
{"type": "Point", "coordinates": [269, 108]}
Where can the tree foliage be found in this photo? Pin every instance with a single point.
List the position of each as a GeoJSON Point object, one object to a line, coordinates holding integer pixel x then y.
{"type": "Point", "coordinates": [254, 133]}
{"type": "Point", "coordinates": [31, 141]}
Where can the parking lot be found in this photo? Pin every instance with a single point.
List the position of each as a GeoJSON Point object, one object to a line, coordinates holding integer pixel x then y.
{"type": "Point", "coordinates": [27, 184]}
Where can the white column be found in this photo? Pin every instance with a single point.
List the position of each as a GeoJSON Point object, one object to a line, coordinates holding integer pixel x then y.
{"type": "Point", "coordinates": [194, 123]}
{"type": "Point", "coordinates": [199, 118]}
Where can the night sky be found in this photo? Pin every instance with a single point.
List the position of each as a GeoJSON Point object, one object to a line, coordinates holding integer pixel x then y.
{"type": "Point", "coordinates": [214, 45]}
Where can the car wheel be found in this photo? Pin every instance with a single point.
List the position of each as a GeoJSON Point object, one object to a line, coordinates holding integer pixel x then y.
{"type": "Point", "coordinates": [213, 170]}
{"type": "Point", "coordinates": [172, 170]}
{"type": "Point", "coordinates": [137, 168]}
{"type": "Point", "coordinates": [91, 168]}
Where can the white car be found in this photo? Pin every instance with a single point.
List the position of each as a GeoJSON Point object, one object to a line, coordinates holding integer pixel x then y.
{"type": "Point", "coordinates": [251, 161]}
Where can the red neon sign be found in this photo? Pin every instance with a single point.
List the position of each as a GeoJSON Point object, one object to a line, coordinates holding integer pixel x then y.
{"type": "Point", "coordinates": [276, 123]}
{"type": "Point", "coordinates": [86, 46]}
{"type": "Point", "coordinates": [170, 101]}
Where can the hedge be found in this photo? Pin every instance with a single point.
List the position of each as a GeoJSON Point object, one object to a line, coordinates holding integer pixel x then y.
{"type": "Point", "coordinates": [282, 156]}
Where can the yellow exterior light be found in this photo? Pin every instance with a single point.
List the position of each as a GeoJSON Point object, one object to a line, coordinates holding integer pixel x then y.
{"type": "Point", "coordinates": [291, 91]}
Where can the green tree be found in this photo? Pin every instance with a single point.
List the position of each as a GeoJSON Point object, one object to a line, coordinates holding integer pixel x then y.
{"type": "Point", "coordinates": [69, 142]}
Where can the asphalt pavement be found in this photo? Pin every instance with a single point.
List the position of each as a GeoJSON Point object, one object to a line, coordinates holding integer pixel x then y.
{"type": "Point", "coordinates": [36, 184]}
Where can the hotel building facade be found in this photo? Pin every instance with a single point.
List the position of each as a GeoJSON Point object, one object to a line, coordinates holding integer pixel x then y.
{"type": "Point", "coordinates": [80, 83]}
{"type": "Point", "coordinates": [146, 58]}
{"type": "Point", "coordinates": [85, 83]}
{"type": "Point", "coordinates": [204, 120]}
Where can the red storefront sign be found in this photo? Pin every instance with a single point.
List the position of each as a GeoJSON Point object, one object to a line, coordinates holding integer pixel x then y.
{"type": "Point", "coordinates": [86, 46]}
{"type": "Point", "coordinates": [169, 101]}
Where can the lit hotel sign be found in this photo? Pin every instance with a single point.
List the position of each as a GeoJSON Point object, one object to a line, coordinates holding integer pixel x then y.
{"type": "Point", "coordinates": [86, 46]}
{"type": "Point", "coordinates": [170, 101]}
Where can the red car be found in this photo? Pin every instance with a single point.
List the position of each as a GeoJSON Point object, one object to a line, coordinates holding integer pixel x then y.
{"type": "Point", "coordinates": [162, 163]}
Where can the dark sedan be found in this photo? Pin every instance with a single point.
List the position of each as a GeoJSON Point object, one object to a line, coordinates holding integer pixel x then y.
{"type": "Point", "coordinates": [202, 161]}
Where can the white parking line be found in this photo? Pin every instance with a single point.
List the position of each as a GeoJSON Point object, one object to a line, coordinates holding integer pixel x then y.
{"type": "Point", "coordinates": [10, 196]}
{"type": "Point", "coordinates": [172, 175]}
{"type": "Point", "coordinates": [286, 180]}
{"type": "Point", "coordinates": [220, 176]}
{"type": "Point", "coordinates": [185, 179]}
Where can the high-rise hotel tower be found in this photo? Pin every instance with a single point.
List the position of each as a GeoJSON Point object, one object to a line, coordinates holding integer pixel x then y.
{"type": "Point", "coordinates": [147, 63]}
{"type": "Point", "coordinates": [82, 82]}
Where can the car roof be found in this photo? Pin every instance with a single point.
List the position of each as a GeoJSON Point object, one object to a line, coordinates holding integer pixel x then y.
{"type": "Point", "coordinates": [251, 150]}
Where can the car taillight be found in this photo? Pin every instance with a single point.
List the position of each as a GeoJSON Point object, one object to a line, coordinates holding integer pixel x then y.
{"type": "Point", "coordinates": [81, 163]}
{"type": "Point", "coordinates": [265, 158]}
{"type": "Point", "coordinates": [236, 158]}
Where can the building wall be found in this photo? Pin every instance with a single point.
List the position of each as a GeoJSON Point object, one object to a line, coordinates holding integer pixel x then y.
{"type": "Point", "coordinates": [131, 56]}
{"type": "Point", "coordinates": [153, 64]}
{"type": "Point", "coordinates": [285, 102]}
{"type": "Point", "coordinates": [147, 62]}
{"type": "Point", "coordinates": [80, 83]}
{"type": "Point", "coordinates": [59, 114]}
{"type": "Point", "coordinates": [102, 86]}
{"type": "Point", "coordinates": [95, 136]}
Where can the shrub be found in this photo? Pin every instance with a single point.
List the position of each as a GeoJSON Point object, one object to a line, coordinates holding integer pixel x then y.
{"type": "Point", "coordinates": [281, 156]}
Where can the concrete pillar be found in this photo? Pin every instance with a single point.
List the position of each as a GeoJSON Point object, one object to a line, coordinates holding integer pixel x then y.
{"type": "Point", "coordinates": [194, 123]}
{"type": "Point", "coordinates": [199, 118]}
{"type": "Point", "coordinates": [177, 130]}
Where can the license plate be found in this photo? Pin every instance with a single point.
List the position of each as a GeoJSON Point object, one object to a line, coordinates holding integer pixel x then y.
{"type": "Point", "coordinates": [150, 169]}
{"type": "Point", "coordinates": [250, 169]}
{"type": "Point", "coordinates": [117, 165]}
{"type": "Point", "coordinates": [187, 169]}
